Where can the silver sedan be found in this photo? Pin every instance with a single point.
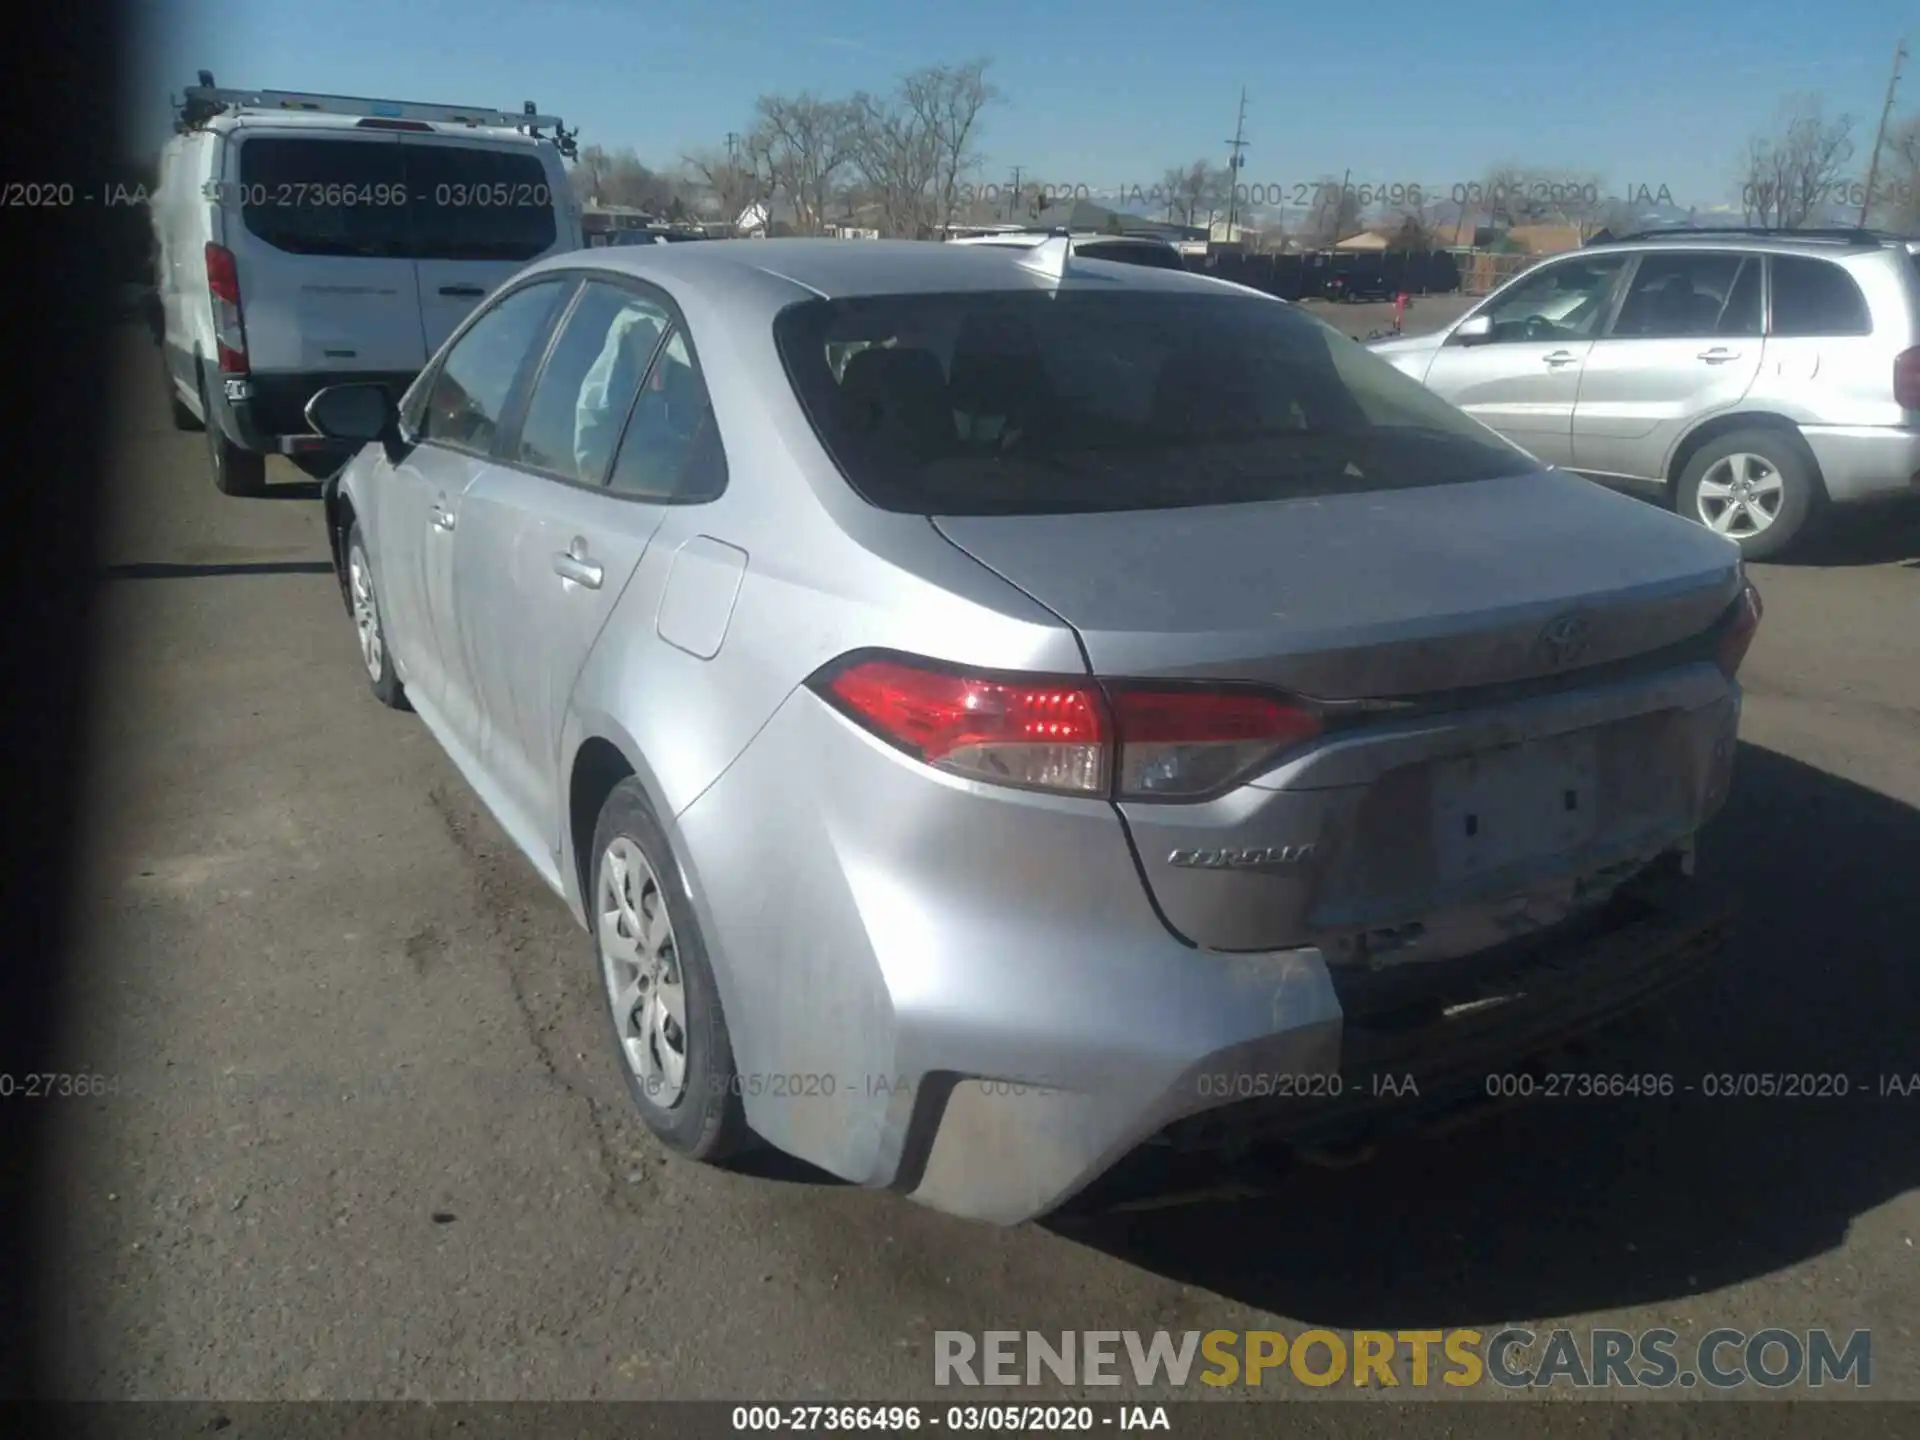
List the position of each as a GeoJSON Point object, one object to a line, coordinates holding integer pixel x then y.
{"type": "Point", "coordinates": [1000, 715]}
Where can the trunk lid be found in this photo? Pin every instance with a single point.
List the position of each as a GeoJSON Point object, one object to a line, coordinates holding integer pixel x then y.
{"type": "Point", "coordinates": [1367, 596]}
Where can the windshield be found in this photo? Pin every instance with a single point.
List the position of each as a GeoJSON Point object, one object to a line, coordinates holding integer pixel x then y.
{"type": "Point", "coordinates": [1043, 403]}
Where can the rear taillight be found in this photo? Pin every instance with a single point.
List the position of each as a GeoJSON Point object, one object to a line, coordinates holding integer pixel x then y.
{"type": "Point", "coordinates": [1906, 379]}
{"type": "Point", "coordinates": [1068, 734]}
{"type": "Point", "coordinates": [1738, 629]}
{"type": "Point", "coordinates": [229, 331]}
{"type": "Point", "coordinates": [1176, 744]}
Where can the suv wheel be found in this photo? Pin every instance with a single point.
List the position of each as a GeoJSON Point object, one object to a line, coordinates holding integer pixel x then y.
{"type": "Point", "coordinates": [1758, 487]}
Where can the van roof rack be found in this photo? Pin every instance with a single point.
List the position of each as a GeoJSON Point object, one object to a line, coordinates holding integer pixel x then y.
{"type": "Point", "coordinates": [1841, 234]}
{"type": "Point", "coordinates": [205, 100]}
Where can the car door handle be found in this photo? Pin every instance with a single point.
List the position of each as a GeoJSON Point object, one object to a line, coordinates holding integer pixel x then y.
{"type": "Point", "coordinates": [463, 292]}
{"type": "Point", "coordinates": [577, 568]}
{"type": "Point", "coordinates": [1718, 355]}
{"type": "Point", "coordinates": [442, 518]}
{"type": "Point", "coordinates": [1560, 357]}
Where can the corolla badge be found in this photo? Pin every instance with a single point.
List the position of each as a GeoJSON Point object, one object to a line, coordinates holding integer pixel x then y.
{"type": "Point", "coordinates": [1264, 857]}
{"type": "Point", "coordinates": [1566, 639]}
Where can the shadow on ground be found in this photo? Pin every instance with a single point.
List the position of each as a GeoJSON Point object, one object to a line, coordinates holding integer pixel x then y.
{"type": "Point", "coordinates": [1568, 1206]}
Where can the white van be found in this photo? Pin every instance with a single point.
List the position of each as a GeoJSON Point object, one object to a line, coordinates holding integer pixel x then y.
{"type": "Point", "coordinates": [306, 240]}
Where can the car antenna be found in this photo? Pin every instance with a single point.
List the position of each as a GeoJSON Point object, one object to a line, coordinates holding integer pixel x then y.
{"type": "Point", "coordinates": [1049, 257]}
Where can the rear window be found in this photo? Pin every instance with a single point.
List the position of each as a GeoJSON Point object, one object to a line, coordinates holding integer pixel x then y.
{"type": "Point", "coordinates": [1040, 402]}
{"type": "Point", "coordinates": [1816, 297]}
{"type": "Point", "coordinates": [378, 197]}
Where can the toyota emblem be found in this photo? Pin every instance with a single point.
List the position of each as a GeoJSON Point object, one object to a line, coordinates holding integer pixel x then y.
{"type": "Point", "coordinates": [1565, 640]}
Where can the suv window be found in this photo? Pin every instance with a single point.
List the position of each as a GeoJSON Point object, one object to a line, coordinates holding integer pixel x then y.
{"type": "Point", "coordinates": [373, 195]}
{"type": "Point", "coordinates": [325, 197]}
{"type": "Point", "coordinates": [469, 393]}
{"type": "Point", "coordinates": [1691, 295]}
{"type": "Point", "coordinates": [589, 383]}
{"type": "Point", "coordinates": [1563, 301]}
{"type": "Point", "coordinates": [1131, 399]}
{"type": "Point", "coordinates": [1816, 297]}
{"type": "Point", "coordinates": [473, 204]}
{"type": "Point", "coordinates": [671, 452]}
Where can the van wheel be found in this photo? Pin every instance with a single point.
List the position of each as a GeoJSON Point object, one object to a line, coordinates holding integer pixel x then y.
{"type": "Point", "coordinates": [1758, 487]}
{"type": "Point", "coordinates": [236, 470]}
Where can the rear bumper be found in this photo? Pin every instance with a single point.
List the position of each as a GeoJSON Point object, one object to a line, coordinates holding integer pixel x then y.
{"type": "Point", "coordinates": [1395, 1067]}
{"type": "Point", "coordinates": [1866, 462]}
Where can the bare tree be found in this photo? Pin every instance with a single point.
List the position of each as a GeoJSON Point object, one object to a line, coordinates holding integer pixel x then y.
{"type": "Point", "coordinates": [897, 156]}
{"type": "Point", "coordinates": [1335, 215]}
{"type": "Point", "coordinates": [1514, 194]}
{"type": "Point", "coordinates": [729, 183]}
{"type": "Point", "coordinates": [946, 100]}
{"type": "Point", "coordinates": [1789, 175]}
{"type": "Point", "coordinates": [804, 143]}
{"type": "Point", "coordinates": [1196, 192]}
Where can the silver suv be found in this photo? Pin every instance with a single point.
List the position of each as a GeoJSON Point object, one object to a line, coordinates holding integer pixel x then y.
{"type": "Point", "coordinates": [1752, 378]}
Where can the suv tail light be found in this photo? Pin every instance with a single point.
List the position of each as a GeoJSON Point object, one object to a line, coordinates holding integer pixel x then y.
{"type": "Point", "coordinates": [229, 331]}
{"type": "Point", "coordinates": [1906, 379]}
{"type": "Point", "coordinates": [1067, 734]}
{"type": "Point", "coordinates": [1741, 625]}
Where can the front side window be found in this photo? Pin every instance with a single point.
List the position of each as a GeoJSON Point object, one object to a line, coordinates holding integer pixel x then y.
{"type": "Point", "coordinates": [1563, 301]}
{"type": "Point", "coordinates": [589, 383]}
{"type": "Point", "coordinates": [1075, 401]}
{"type": "Point", "coordinates": [469, 393]}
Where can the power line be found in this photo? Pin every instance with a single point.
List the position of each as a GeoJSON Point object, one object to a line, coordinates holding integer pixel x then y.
{"type": "Point", "coordinates": [1880, 135]}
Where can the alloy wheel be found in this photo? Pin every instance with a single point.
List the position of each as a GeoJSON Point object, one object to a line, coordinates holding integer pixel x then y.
{"type": "Point", "coordinates": [366, 613]}
{"type": "Point", "coordinates": [1740, 496]}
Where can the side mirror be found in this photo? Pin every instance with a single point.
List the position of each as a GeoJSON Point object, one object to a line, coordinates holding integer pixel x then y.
{"type": "Point", "coordinates": [1476, 330]}
{"type": "Point", "coordinates": [358, 414]}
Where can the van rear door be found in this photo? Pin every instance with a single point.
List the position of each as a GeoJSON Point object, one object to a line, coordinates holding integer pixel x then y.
{"type": "Point", "coordinates": [481, 211]}
{"type": "Point", "coordinates": [321, 247]}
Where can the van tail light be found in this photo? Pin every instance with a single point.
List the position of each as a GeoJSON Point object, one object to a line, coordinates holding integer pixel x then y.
{"type": "Point", "coordinates": [1906, 379]}
{"type": "Point", "coordinates": [1069, 735]}
{"type": "Point", "coordinates": [1739, 628]}
{"type": "Point", "coordinates": [229, 331]}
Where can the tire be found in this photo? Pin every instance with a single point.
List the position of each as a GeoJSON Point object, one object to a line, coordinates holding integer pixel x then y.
{"type": "Point", "coordinates": [237, 471]}
{"type": "Point", "coordinates": [363, 603]}
{"type": "Point", "coordinates": [1786, 488]}
{"type": "Point", "coordinates": [701, 1116]}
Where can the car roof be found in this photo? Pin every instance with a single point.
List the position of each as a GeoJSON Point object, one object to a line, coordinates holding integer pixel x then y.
{"type": "Point", "coordinates": [845, 269]}
{"type": "Point", "coordinates": [1827, 247]}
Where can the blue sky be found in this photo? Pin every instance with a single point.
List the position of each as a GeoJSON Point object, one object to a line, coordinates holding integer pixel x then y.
{"type": "Point", "coordinates": [1640, 91]}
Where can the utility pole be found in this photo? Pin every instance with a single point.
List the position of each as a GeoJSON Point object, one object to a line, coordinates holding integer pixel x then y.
{"type": "Point", "coordinates": [1880, 135]}
{"type": "Point", "coordinates": [1237, 144]}
{"type": "Point", "coordinates": [1014, 194]}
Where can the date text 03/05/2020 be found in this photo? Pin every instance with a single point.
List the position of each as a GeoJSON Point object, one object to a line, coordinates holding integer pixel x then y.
{"type": "Point", "coordinates": [893, 1419]}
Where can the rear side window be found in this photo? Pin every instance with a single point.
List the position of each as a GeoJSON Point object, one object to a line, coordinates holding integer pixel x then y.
{"type": "Point", "coordinates": [376, 196]}
{"type": "Point", "coordinates": [1674, 296]}
{"type": "Point", "coordinates": [589, 383]}
{"type": "Point", "coordinates": [1816, 297]}
{"type": "Point", "coordinates": [473, 204]}
{"type": "Point", "coordinates": [1069, 402]}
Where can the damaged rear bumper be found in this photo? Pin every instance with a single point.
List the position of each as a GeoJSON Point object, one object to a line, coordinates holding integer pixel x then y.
{"type": "Point", "coordinates": [1414, 1047]}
